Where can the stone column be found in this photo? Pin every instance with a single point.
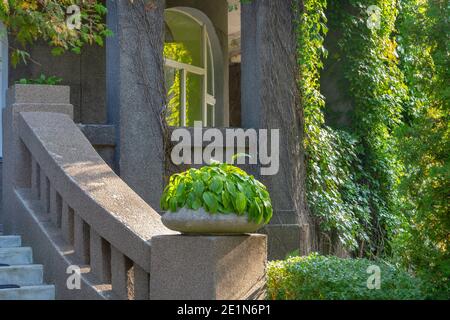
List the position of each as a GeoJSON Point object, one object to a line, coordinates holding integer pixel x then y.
{"type": "Point", "coordinates": [135, 93]}
{"type": "Point", "coordinates": [270, 100]}
{"type": "Point", "coordinates": [208, 267]}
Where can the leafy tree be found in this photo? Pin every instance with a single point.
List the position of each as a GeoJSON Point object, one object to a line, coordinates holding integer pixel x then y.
{"type": "Point", "coordinates": [27, 21]}
{"type": "Point", "coordinates": [424, 241]}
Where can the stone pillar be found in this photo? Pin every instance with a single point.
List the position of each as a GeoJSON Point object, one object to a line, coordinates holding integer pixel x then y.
{"type": "Point", "coordinates": [135, 93]}
{"type": "Point", "coordinates": [270, 100]}
{"type": "Point", "coordinates": [16, 157]}
{"type": "Point", "coordinates": [208, 267]}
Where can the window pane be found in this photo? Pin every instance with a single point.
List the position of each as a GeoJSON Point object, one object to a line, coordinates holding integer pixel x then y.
{"type": "Point", "coordinates": [194, 85]}
{"type": "Point", "coordinates": [183, 39]}
{"type": "Point", "coordinates": [173, 85]}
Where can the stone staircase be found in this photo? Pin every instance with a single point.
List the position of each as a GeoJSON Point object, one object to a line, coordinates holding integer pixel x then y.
{"type": "Point", "coordinates": [20, 279]}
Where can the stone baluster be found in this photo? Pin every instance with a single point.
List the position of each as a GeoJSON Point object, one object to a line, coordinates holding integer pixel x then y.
{"type": "Point", "coordinates": [55, 207]}
{"type": "Point", "coordinates": [35, 179]}
{"type": "Point", "coordinates": [44, 191]}
{"type": "Point", "coordinates": [67, 223]}
{"type": "Point", "coordinates": [81, 239]}
{"type": "Point", "coordinates": [100, 251]}
{"type": "Point", "coordinates": [141, 283]}
{"type": "Point", "coordinates": [120, 268]}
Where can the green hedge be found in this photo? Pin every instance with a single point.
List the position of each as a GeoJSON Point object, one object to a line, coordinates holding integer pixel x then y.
{"type": "Point", "coordinates": [317, 277]}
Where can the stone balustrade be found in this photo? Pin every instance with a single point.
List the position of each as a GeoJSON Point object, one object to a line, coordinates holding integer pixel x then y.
{"type": "Point", "coordinates": [75, 211]}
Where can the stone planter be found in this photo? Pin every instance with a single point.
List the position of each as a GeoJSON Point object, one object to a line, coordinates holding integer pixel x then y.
{"type": "Point", "coordinates": [201, 222]}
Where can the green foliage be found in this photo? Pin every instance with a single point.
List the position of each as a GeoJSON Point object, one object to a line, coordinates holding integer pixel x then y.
{"type": "Point", "coordinates": [423, 241]}
{"type": "Point", "coordinates": [219, 188]}
{"type": "Point", "coordinates": [375, 85]}
{"type": "Point", "coordinates": [178, 52]}
{"type": "Point", "coordinates": [30, 20]}
{"type": "Point", "coordinates": [317, 277]}
{"type": "Point", "coordinates": [334, 195]}
{"type": "Point", "coordinates": [52, 80]}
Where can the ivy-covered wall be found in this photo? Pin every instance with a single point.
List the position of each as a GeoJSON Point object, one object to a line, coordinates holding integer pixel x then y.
{"type": "Point", "coordinates": [353, 166]}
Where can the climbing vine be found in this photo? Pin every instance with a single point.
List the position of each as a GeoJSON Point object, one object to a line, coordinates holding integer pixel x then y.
{"type": "Point", "coordinates": [367, 53]}
{"type": "Point", "coordinates": [334, 196]}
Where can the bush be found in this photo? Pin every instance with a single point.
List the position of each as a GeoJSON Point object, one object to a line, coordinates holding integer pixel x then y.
{"type": "Point", "coordinates": [317, 277]}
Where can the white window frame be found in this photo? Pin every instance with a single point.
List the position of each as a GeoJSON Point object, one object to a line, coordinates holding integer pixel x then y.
{"type": "Point", "coordinates": [184, 69]}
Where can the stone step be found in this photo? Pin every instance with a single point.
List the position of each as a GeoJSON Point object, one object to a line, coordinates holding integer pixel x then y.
{"type": "Point", "coordinates": [10, 241]}
{"type": "Point", "coordinates": [43, 292]}
{"type": "Point", "coordinates": [16, 256]}
{"type": "Point", "coordinates": [24, 275]}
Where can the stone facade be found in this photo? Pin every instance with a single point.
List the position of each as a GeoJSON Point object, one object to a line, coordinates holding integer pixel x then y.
{"type": "Point", "coordinates": [118, 93]}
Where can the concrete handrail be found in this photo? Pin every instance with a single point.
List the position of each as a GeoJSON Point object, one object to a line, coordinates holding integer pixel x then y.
{"type": "Point", "coordinates": [89, 188]}
{"type": "Point", "coordinates": [107, 225]}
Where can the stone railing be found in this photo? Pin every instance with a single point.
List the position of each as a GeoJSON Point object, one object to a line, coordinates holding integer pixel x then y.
{"type": "Point", "coordinates": [75, 211]}
{"type": "Point", "coordinates": [93, 219]}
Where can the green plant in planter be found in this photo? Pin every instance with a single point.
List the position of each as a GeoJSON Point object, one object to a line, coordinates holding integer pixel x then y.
{"type": "Point", "coordinates": [52, 80]}
{"type": "Point", "coordinates": [219, 188]}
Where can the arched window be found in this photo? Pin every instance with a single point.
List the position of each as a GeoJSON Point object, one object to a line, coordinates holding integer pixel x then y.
{"type": "Point", "coordinates": [189, 71]}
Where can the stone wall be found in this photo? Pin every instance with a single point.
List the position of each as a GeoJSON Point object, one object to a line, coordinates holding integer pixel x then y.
{"type": "Point", "coordinates": [84, 73]}
{"type": "Point", "coordinates": [1, 193]}
{"type": "Point", "coordinates": [235, 95]}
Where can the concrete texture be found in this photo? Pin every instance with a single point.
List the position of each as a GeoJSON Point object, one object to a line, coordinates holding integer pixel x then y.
{"type": "Point", "coordinates": [16, 256]}
{"type": "Point", "coordinates": [102, 138]}
{"type": "Point", "coordinates": [10, 241]}
{"type": "Point", "coordinates": [19, 271]}
{"type": "Point", "coordinates": [96, 194]}
{"type": "Point", "coordinates": [235, 95]}
{"type": "Point", "coordinates": [99, 134]}
{"type": "Point", "coordinates": [270, 100]}
{"type": "Point", "coordinates": [1, 195]}
{"type": "Point", "coordinates": [286, 238]}
{"type": "Point", "coordinates": [16, 158]}
{"type": "Point", "coordinates": [43, 292]}
{"type": "Point", "coordinates": [36, 93]}
{"type": "Point", "coordinates": [215, 267]}
{"type": "Point", "coordinates": [202, 222]}
{"type": "Point", "coordinates": [23, 275]}
{"type": "Point", "coordinates": [50, 250]}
